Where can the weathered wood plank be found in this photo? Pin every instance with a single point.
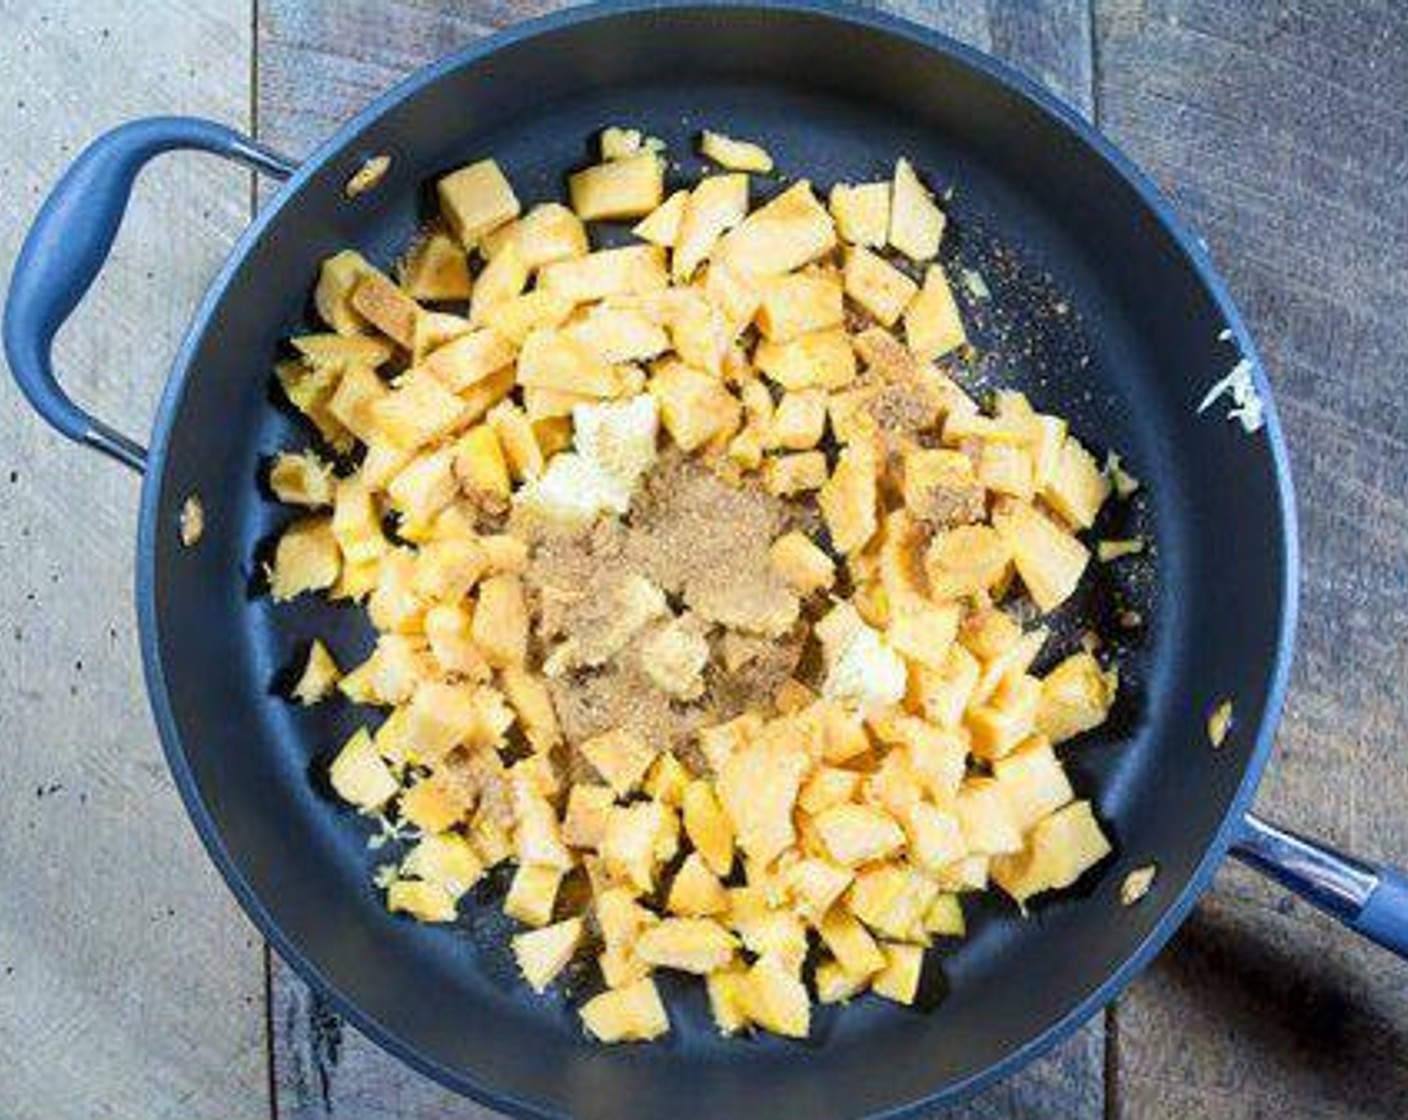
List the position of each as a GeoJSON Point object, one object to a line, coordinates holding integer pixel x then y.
{"type": "Point", "coordinates": [318, 63]}
{"type": "Point", "coordinates": [129, 983]}
{"type": "Point", "coordinates": [1282, 133]}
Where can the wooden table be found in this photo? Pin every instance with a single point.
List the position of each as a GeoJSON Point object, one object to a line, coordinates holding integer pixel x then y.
{"type": "Point", "coordinates": [129, 983]}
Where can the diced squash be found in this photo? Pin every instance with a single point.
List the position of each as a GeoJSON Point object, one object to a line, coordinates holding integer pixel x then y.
{"type": "Point", "coordinates": [306, 559]}
{"type": "Point", "coordinates": [503, 279]}
{"type": "Point", "coordinates": [856, 834]}
{"type": "Point", "coordinates": [480, 466]}
{"type": "Point", "coordinates": [555, 359]}
{"type": "Point", "coordinates": [501, 621]}
{"type": "Point", "coordinates": [698, 945]}
{"type": "Point", "coordinates": [515, 319]}
{"type": "Point", "coordinates": [424, 901]}
{"type": "Point", "coordinates": [662, 225]}
{"type": "Point", "coordinates": [1060, 849]}
{"type": "Point", "coordinates": [435, 269]}
{"type": "Point", "coordinates": [476, 200]}
{"type": "Point", "coordinates": [932, 324]}
{"type": "Point", "coordinates": [850, 943]}
{"type": "Point", "coordinates": [1049, 560]}
{"type": "Point", "coordinates": [446, 859]}
{"type": "Point", "coordinates": [788, 232]}
{"type": "Point", "coordinates": [966, 560]}
{"type": "Point", "coordinates": [1033, 782]}
{"type": "Point", "coordinates": [532, 702]}
{"type": "Point", "coordinates": [695, 891]}
{"type": "Point", "coordinates": [916, 222]}
{"type": "Point", "coordinates": [621, 758]}
{"type": "Point", "coordinates": [862, 213]}
{"type": "Point", "coordinates": [351, 404]}
{"type": "Point", "coordinates": [543, 953]}
{"type": "Point", "coordinates": [945, 917]}
{"type": "Point", "coordinates": [694, 407]}
{"type": "Point", "coordinates": [359, 776]}
{"type": "Point", "coordinates": [835, 985]}
{"type": "Point", "coordinates": [433, 804]}
{"type": "Point", "coordinates": [877, 286]}
{"type": "Point", "coordinates": [620, 188]}
{"type": "Point", "coordinates": [532, 894]}
{"type": "Point", "coordinates": [584, 823]}
{"type": "Point", "coordinates": [714, 206]}
{"type": "Point", "coordinates": [418, 410]}
{"type": "Point", "coordinates": [735, 155]}
{"type": "Point", "coordinates": [319, 677]}
{"type": "Point", "coordinates": [787, 475]}
{"type": "Point", "coordinates": [899, 979]}
{"type": "Point", "coordinates": [935, 837]}
{"type": "Point", "coordinates": [989, 825]}
{"type": "Point", "coordinates": [548, 233]}
{"type": "Point", "coordinates": [848, 500]}
{"type": "Point", "coordinates": [728, 999]}
{"type": "Point", "coordinates": [804, 566]}
{"type": "Point", "coordinates": [1075, 697]}
{"type": "Point", "coordinates": [337, 279]}
{"type": "Point", "coordinates": [776, 999]}
{"type": "Point", "coordinates": [757, 788]}
{"type": "Point", "coordinates": [708, 827]}
{"type": "Point", "coordinates": [386, 307]}
{"type": "Point", "coordinates": [607, 272]}
{"type": "Point", "coordinates": [821, 359]}
{"type": "Point", "coordinates": [799, 303]}
{"type": "Point", "coordinates": [1076, 488]}
{"type": "Point", "coordinates": [632, 1013]}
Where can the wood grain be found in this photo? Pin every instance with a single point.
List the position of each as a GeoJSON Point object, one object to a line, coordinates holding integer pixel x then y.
{"type": "Point", "coordinates": [130, 985]}
{"type": "Point", "coordinates": [320, 62]}
{"type": "Point", "coordinates": [1281, 131]}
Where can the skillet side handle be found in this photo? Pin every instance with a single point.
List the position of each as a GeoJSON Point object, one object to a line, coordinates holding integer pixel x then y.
{"type": "Point", "coordinates": [1371, 899]}
{"type": "Point", "coordinates": [68, 244]}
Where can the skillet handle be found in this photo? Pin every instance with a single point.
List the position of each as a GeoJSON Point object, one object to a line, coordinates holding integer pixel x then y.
{"type": "Point", "coordinates": [1371, 899]}
{"type": "Point", "coordinates": [68, 244]}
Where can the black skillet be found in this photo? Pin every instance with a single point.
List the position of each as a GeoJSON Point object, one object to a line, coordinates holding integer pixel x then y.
{"type": "Point", "coordinates": [1102, 307]}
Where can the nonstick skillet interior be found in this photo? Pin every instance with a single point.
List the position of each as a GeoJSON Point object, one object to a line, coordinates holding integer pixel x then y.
{"type": "Point", "coordinates": [1096, 310]}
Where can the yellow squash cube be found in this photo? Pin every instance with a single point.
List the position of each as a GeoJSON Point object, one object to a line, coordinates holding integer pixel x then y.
{"type": "Point", "coordinates": [532, 894]}
{"type": "Point", "coordinates": [932, 324]}
{"type": "Point", "coordinates": [620, 188]}
{"type": "Point", "coordinates": [359, 776]}
{"type": "Point", "coordinates": [543, 953]}
{"type": "Point", "coordinates": [916, 222]}
{"type": "Point", "coordinates": [799, 303]}
{"type": "Point", "coordinates": [476, 200]}
{"type": "Point", "coordinates": [899, 979]}
{"type": "Point", "coordinates": [698, 945]}
{"type": "Point", "coordinates": [435, 269]}
{"type": "Point", "coordinates": [1060, 849]}
{"type": "Point", "coordinates": [306, 559]}
{"type": "Point", "coordinates": [1049, 560]}
{"type": "Point", "coordinates": [426, 902]}
{"type": "Point", "coordinates": [632, 1013]}
{"type": "Point", "coordinates": [877, 286]}
{"type": "Point", "coordinates": [862, 213]}
{"type": "Point", "coordinates": [715, 205]}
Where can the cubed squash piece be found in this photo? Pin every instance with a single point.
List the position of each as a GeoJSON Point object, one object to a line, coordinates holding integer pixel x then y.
{"type": "Point", "coordinates": [320, 675]}
{"type": "Point", "coordinates": [338, 277]}
{"type": "Point", "coordinates": [1076, 487]}
{"type": "Point", "coordinates": [424, 901]}
{"type": "Point", "coordinates": [922, 632]}
{"type": "Point", "coordinates": [694, 407]}
{"type": "Point", "coordinates": [850, 943]}
{"type": "Point", "coordinates": [892, 899]}
{"type": "Point", "coordinates": [916, 222]}
{"type": "Point", "coordinates": [1060, 849]}
{"type": "Point", "coordinates": [630, 843]}
{"type": "Point", "coordinates": [966, 560]}
{"type": "Point", "coordinates": [337, 351]}
{"type": "Point", "coordinates": [530, 699]}
{"type": "Point", "coordinates": [306, 559]}
{"type": "Point", "coordinates": [945, 917]}
{"type": "Point", "coordinates": [434, 804]}
{"type": "Point", "coordinates": [736, 155]}
{"type": "Point", "coordinates": [714, 206]}
{"type": "Point", "coordinates": [667, 780]}
{"type": "Point", "coordinates": [631, 270]}
{"type": "Point", "coordinates": [788, 475]}
{"type": "Point", "coordinates": [543, 953]}
{"type": "Point", "coordinates": [475, 200]}
{"type": "Point", "coordinates": [1049, 559]}
{"type": "Point", "coordinates": [799, 303]}
{"type": "Point", "coordinates": [620, 188]}
{"type": "Point", "coordinates": [662, 225]}
{"type": "Point", "coordinates": [1075, 697]}
{"type": "Point", "coordinates": [803, 565]}
{"type": "Point", "coordinates": [862, 213]}
{"type": "Point", "coordinates": [819, 360]}
{"type": "Point", "coordinates": [301, 479]}
{"type": "Point", "coordinates": [899, 979]}
{"type": "Point", "coordinates": [418, 411]}
{"type": "Point", "coordinates": [532, 894]}
{"type": "Point", "coordinates": [988, 823]}
{"type": "Point", "coordinates": [1033, 782]}
{"type": "Point", "coordinates": [835, 985]}
{"type": "Point", "coordinates": [1003, 720]}
{"type": "Point", "coordinates": [708, 827]}
{"type": "Point", "coordinates": [849, 499]}
{"type": "Point", "coordinates": [776, 999]}
{"type": "Point", "coordinates": [757, 788]}
{"type": "Point", "coordinates": [435, 269]}
{"type": "Point", "coordinates": [728, 999]}
{"type": "Point", "coordinates": [548, 233]}
{"type": "Point", "coordinates": [856, 834]}
{"type": "Point", "coordinates": [359, 776]}
{"type": "Point", "coordinates": [788, 232]}
{"type": "Point", "coordinates": [481, 468]}
{"type": "Point", "coordinates": [632, 1013]}
{"type": "Point", "coordinates": [932, 323]}
{"type": "Point", "coordinates": [813, 886]}
{"type": "Point", "coordinates": [877, 286]}
{"type": "Point", "coordinates": [935, 837]}
{"type": "Point", "coordinates": [386, 307]}
{"type": "Point", "coordinates": [697, 945]}
{"type": "Point", "coordinates": [695, 891]}
{"type": "Point", "coordinates": [446, 859]}
{"type": "Point", "coordinates": [584, 823]}
{"type": "Point", "coordinates": [503, 279]}
{"type": "Point", "coordinates": [501, 621]}
{"type": "Point", "coordinates": [620, 756]}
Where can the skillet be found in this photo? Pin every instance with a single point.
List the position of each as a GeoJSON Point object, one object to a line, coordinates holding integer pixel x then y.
{"type": "Point", "coordinates": [1102, 307]}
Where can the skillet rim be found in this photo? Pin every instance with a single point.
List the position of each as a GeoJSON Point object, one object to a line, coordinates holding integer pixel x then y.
{"type": "Point", "coordinates": [986, 68]}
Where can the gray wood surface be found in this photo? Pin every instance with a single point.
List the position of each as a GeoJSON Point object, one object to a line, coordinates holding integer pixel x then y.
{"type": "Point", "coordinates": [1282, 133]}
{"type": "Point", "coordinates": [130, 984]}
{"type": "Point", "coordinates": [318, 63]}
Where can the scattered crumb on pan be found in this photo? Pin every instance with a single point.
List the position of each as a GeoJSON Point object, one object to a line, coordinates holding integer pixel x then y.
{"type": "Point", "coordinates": [367, 176]}
{"type": "Point", "coordinates": [1219, 723]}
{"type": "Point", "coordinates": [1137, 883]}
{"type": "Point", "coordinates": [1247, 408]}
{"type": "Point", "coordinates": [1111, 550]}
{"type": "Point", "coordinates": [1125, 484]}
{"type": "Point", "coordinates": [192, 521]}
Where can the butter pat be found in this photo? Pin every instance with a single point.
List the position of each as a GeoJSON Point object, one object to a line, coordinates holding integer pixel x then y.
{"type": "Point", "coordinates": [615, 446]}
{"type": "Point", "coordinates": [862, 670]}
